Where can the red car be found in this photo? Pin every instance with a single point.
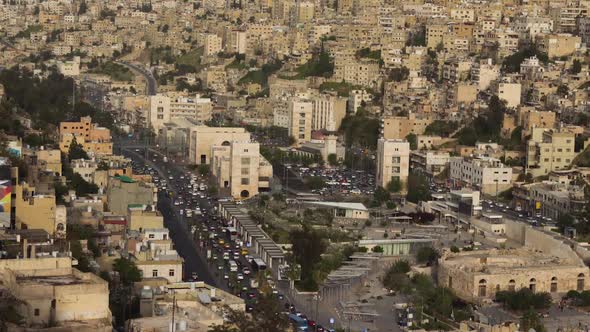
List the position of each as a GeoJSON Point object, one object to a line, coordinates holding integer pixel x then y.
{"type": "Point", "coordinates": [311, 323]}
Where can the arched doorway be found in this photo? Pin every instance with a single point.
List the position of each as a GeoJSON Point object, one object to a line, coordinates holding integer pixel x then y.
{"type": "Point", "coordinates": [512, 285]}
{"type": "Point", "coordinates": [244, 194]}
{"type": "Point", "coordinates": [553, 284]}
{"type": "Point", "coordinates": [482, 288]}
{"type": "Point", "coordinates": [580, 285]}
{"type": "Point", "coordinates": [533, 285]}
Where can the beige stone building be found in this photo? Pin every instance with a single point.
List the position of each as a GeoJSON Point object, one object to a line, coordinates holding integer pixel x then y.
{"type": "Point", "coordinates": [50, 160]}
{"type": "Point", "coordinates": [241, 168]}
{"type": "Point", "coordinates": [300, 113]}
{"type": "Point", "coordinates": [545, 263]}
{"type": "Point", "coordinates": [530, 118]}
{"type": "Point", "coordinates": [510, 92]}
{"type": "Point", "coordinates": [435, 34]}
{"type": "Point", "coordinates": [558, 45]}
{"type": "Point", "coordinates": [484, 72]}
{"type": "Point", "coordinates": [393, 161]}
{"type": "Point", "coordinates": [123, 191]}
{"type": "Point", "coordinates": [163, 108]}
{"type": "Point", "coordinates": [357, 72]}
{"type": "Point", "coordinates": [203, 139]}
{"type": "Point", "coordinates": [212, 44]}
{"type": "Point", "coordinates": [194, 311]}
{"type": "Point", "coordinates": [328, 112]}
{"type": "Point", "coordinates": [488, 175]}
{"type": "Point", "coordinates": [36, 211]}
{"type": "Point", "coordinates": [94, 139]}
{"type": "Point", "coordinates": [49, 292]}
{"type": "Point", "coordinates": [141, 217]}
{"type": "Point", "coordinates": [549, 150]}
{"type": "Point", "coordinates": [398, 127]}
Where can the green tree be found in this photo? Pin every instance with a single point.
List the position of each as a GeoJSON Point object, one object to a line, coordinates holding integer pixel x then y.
{"type": "Point", "coordinates": [83, 7]}
{"type": "Point", "coordinates": [524, 299]}
{"type": "Point", "coordinates": [377, 249]}
{"type": "Point", "coordinates": [441, 128]}
{"type": "Point", "coordinates": [399, 74]}
{"type": "Point", "coordinates": [427, 255]}
{"type": "Point", "coordinates": [562, 90]}
{"type": "Point", "coordinates": [395, 185]}
{"type": "Point", "coordinates": [128, 271]}
{"type": "Point", "coordinates": [418, 189]}
{"type": "Point", "coordinates": [308, 246]}
{"type": "Point", "coordinates": [565, 221]}
{"type": "Point", "coordinates": [203, 169]}
{"type": "Point", "coordinates": [531, 320]}
{"type": "Point", "coordinates": [381, 195]}
{"type": "Point", "coordinates": [413, 140]}
{"type": "Point", "coordinates": [76, 151]}
{"type": "Point", "coordinates": [396, 278]}
{"type": "Point", "coordinates": [576, 67]}
{"type": "Point", "coordinates": [82, 187]}
{"type": "Point", "coordinates": [333, 159]}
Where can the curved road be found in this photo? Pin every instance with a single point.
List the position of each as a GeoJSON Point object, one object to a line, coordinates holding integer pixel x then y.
{"type": "Point", "coordinates": [149, 78]}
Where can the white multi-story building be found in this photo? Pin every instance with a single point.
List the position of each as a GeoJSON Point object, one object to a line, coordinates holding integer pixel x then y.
{"type": "Point", "coordinates": [300, 119]}
{"type": "Point", "coordinates": [163, 108]}
{"type": "Point", "coordinates": [240, 167]}
{"type": "Point", "coordinates": [328, 112]}
{"type": "Point", "coordinates": [487, 174]}
{"type": "Point", "coordinates": [393, 161]}
{"type": "Point", "coordinates": [213, 44]}
{"type": "Point", "coordinates": [483, 73]}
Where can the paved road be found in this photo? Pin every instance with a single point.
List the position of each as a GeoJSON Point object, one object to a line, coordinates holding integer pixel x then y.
{"type": "Point", "coordinates": [184, 244]}
{"type": "Point", "coordinates": [151, 81]}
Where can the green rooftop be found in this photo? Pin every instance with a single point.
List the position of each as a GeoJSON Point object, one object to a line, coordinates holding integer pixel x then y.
{"type": "Point", "coordinates": [125, 178]}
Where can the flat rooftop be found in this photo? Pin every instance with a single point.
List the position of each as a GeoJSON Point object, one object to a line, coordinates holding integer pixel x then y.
{"type": "Point", "coordinates": [57, 280]}
{"type": "Point", "coordinates": [503, 260]}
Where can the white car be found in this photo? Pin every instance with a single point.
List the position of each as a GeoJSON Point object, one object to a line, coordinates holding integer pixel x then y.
{"type": "Point", "coordinates": [240, 276]}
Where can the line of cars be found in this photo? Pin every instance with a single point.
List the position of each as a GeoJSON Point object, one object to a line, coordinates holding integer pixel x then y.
{"type": "Point", "coordinates": [228, 256]}
{"type": "Point", "coordinates": [226, 253]}
{"type": "Point", "coordinates": [301, 323]}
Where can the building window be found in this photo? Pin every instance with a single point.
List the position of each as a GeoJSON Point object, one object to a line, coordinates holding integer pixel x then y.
{"type": "Point", "coordinates": [36, 312]}
{"type": "Point", "coordinates": [245, 181]}
{"type": "Point", "coordinates": [533, 285]}
{"type": "Point", "coordinates": [245, 171]}
{"type": "Point", "coordinates": [171, 273]}
{"type": "Point", "coordinates": [553, 284]}
{"type": "Point", "coordinates": [154, 273]}
{"type": "Point", "coordinates": [482, 288]}
{"type": "Point", "coordinates": [151, 236]}
{"type": "Point", "coordinates": [580, 286]}
{"type": "Point", "coordinates": [245, 160]}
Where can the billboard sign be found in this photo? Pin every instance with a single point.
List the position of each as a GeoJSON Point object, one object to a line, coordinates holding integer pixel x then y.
{"type": "Point", "coordinates": [5, 201]}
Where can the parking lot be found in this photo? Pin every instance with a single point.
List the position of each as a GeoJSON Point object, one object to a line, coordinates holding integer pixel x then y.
{"type": "Point", "coordinates": [338, 180]}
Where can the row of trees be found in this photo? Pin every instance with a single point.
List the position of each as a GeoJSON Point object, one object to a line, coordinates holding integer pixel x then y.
{"type": "Point", "coordinates": [47, 101]}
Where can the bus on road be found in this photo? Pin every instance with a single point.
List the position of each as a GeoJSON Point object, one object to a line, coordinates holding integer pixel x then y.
{"type": "Point", "coordinates": [258, 264]}
{"type": "Point", "coordinates": [231, 233]}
